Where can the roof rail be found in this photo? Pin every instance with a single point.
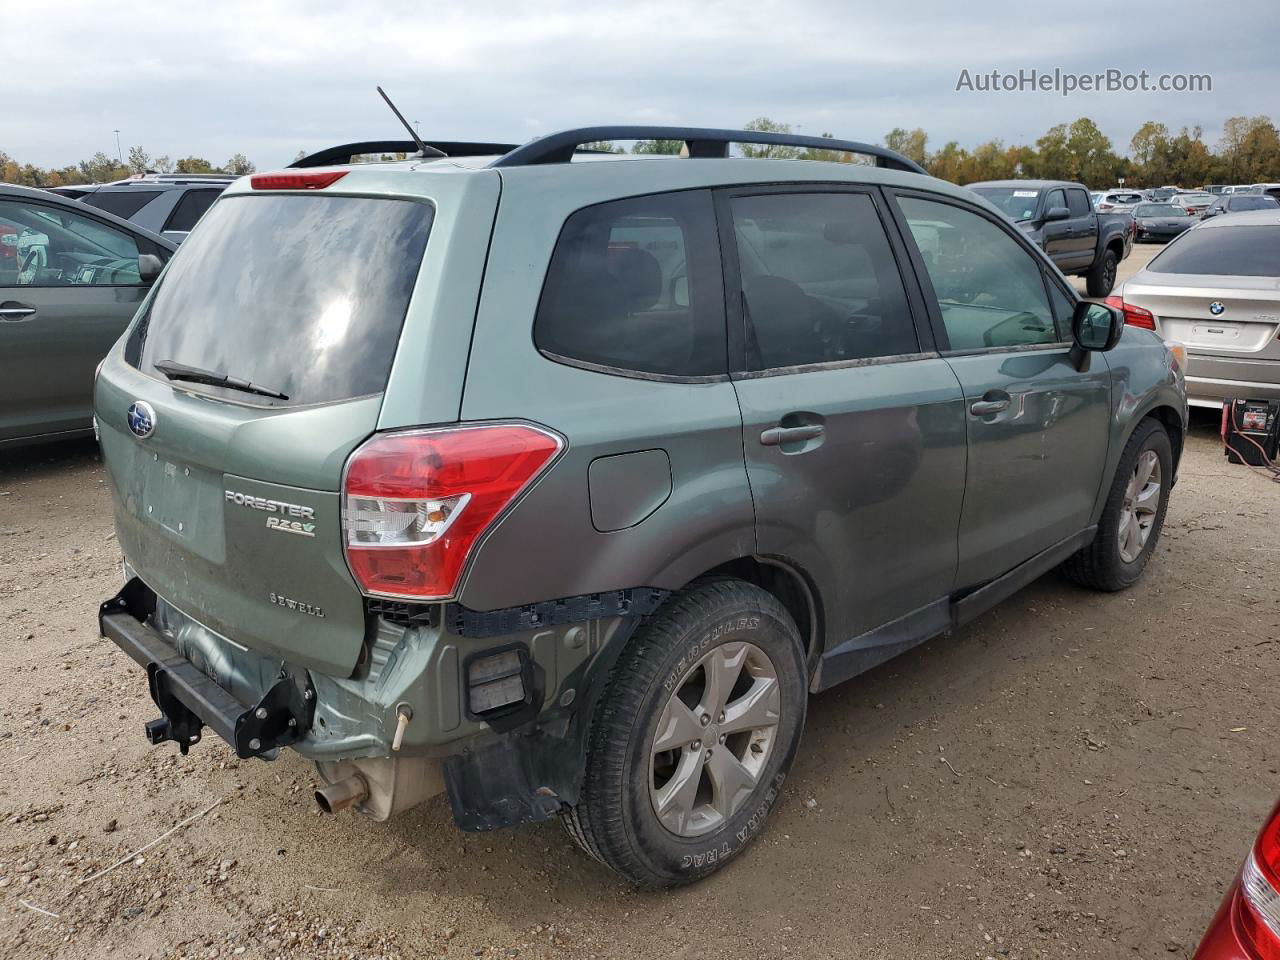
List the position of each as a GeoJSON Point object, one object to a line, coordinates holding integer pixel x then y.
{"type": "Point", "coordinates": [702, 142]}
{"type": "Point", "coordinates": [343, 153]}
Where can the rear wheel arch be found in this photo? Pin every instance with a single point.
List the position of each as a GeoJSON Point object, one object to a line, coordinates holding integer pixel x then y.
{"type": "Point", "coordinates": [1172, 423]}
{"type": "Point", "coordinates": [788, 584]}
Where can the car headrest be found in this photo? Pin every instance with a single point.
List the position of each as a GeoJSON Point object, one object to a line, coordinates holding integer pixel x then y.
{"type": "Point", "coordinates": [639, 273]}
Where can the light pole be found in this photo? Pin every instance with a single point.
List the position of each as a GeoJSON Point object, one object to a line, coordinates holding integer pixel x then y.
{"type": "Point", "coordinates": [119, 152]}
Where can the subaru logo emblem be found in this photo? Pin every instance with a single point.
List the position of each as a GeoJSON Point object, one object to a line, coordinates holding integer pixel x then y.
{"type": "Point", "coordinates": [142, 419]}
{"type": "Point", "coordinates": [1216, 308]}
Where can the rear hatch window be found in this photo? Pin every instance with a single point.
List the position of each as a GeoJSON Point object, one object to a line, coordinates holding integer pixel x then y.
{"type": "Point", "coordinates": [1235, 251]}
{"type": "Point", "coordinates": [303, 295]}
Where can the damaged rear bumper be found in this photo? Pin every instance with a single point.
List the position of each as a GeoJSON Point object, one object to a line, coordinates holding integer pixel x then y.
{"type": "Point", "coordinates": [189, 700]}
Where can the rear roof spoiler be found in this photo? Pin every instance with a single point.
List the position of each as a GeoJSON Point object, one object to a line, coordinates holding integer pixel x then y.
{"type": "Point", "coordinates": [344, 152]}
{"type": "Point", "coordinates": [700, 143]}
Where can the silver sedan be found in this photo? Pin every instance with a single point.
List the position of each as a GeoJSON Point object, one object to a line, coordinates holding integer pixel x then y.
{"type": "Point", "coordinates": [1216, 288]}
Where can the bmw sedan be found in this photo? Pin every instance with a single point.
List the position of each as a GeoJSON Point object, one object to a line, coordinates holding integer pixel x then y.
{"type": "Point", "coordinates": [71, 278]}
{"type": "Point", "coordinates": [1217, 289]}
{"type": "Point", "coordinates": [1160, 221]}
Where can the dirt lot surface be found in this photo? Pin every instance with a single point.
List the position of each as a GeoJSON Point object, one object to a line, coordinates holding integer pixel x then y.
{"type": "Point", "coordinates": [1072, 775]}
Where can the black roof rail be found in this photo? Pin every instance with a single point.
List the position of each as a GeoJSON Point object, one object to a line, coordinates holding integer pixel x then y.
{"type": "Point", "coordinates": [332, 156]}
{"type": "Point", "coordinates": [702, 142]}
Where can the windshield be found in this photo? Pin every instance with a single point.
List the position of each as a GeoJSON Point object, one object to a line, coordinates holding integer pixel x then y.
{"type": "Point", "coordinates": [304, 295]}
{"type": "Point", "coordinates": [1158, 210]}
{"type": "Point", "coordinates": [1195, 198]}
{"type": "Point", "coordinates": [1014, 202]}
{"type": "Point", "coordinates": [1228, 251]}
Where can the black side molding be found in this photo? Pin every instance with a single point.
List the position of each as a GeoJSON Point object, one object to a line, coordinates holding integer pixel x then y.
{"type": "Point", "coordinates": [859, 654]}
{"type": "Point", "coordinates": [189, 700]}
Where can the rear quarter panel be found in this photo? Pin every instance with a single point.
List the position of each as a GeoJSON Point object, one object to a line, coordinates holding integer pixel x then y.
{"type": "Point", "coordinates": [548, 547]}
{"type": "Point", "coordinates": [1144, 377]}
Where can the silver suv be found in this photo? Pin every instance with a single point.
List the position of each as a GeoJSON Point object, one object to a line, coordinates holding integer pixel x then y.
{"type": "Point", "coordinates": [165, 203]}
{"type": "Point", "coordinates": [559, 485]}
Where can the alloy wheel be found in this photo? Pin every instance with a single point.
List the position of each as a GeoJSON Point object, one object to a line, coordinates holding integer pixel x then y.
{"type": "Point", "coordinates": [1141, 502]}
{"type": "Point", "coordinates": [714, 739]}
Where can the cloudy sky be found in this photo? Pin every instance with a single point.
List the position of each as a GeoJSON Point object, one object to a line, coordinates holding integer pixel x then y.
{"type": "Point", "coordinates": [271, 78]}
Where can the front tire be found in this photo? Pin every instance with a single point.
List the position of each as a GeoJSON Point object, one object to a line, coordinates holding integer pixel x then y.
{"type": "Point", "coordinates": [1133, 516]}
{"type": "Point", "coordinates": [1102, 275]}
{"type": "Point", "coordinates": [693, 737]}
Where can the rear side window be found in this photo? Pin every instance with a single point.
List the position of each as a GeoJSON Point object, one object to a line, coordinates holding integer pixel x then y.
{"type": "Point", "coordinates": [190, 209]}
{"type": "Point", "coordinates": [123, 203]}
{"type": "Point", "coordinates": [819, 281]}
{"type": "Point", "coordinates": [1234, 251]}
{"type": "Point", "coordinates": [304, 295]}
{"type": "Point", "coordinates": [1078, 202]}
{"type": "Point", "coordinates": [990, 289]}
{"type": "Point", "coordinates": [635, 285]}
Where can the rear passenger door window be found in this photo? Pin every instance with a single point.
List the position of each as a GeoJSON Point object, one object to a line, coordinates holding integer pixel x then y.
{"type": "Point", "coordinates": [635, 287]}
{"type": "Point", "coordinates": [1078, 203]}
{"type": "Point", "coordinates": [989, 287]}
{"type": "Point", "coordinates": [189, 209]}
{"type": "Point", "coordinates": [819, 280]}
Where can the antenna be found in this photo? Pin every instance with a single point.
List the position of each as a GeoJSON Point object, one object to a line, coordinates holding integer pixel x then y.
{"type": "Point", "coordinates": [423, 149]}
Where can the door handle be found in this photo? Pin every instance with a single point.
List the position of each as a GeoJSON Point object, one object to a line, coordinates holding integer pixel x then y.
{"type": "Point", "coordinates": [985, 407]}
{"type": "Point", "coordinates": [12, 310]}
{"type": "Point", "coordinates": [777, 435]}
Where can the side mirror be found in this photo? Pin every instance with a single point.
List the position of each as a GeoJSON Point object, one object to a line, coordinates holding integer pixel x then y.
{"type": "Point", "coordinates": [149, 267]}
{"type": "Point", "coordinates": [1095, 326]}
{"type": "Point", "coordinates": [1056, 213]}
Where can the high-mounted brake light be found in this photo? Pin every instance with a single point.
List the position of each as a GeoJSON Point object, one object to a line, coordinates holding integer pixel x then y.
{"type": "Point", "coordinates": [416, 503]}
{"type": "Point", "coordinates": [295, 181]}
{"type": "Point", "coordinates": [1133, 316]}
{"type": "Point", "coordinates": [1258, 907]}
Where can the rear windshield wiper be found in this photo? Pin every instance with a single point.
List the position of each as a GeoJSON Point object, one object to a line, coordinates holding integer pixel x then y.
{"type": "Point", "coordinates": [180, 371]}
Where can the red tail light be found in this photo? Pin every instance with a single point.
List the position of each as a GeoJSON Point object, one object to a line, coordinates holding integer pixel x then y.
{"type": "Point", "coordinates": [295, 181]}
{"type": "Point", "coordinates": [1133, 316]}
{"type": "Point", "coordinates": [416, 503]}
{"type": "Point", "coordinates": [1258, 906]}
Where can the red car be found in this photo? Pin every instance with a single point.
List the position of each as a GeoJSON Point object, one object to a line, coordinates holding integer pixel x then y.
{"type": "Point", "coordinates": [1247, 925]}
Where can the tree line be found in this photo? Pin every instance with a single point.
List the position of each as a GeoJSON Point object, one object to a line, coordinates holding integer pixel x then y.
{"type": "Point", "coordinates": [1247, 152]}
{"type": "Point", "coordinates": [101, 168]}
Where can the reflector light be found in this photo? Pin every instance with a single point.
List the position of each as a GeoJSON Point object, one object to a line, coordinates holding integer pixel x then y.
{"type": "Point", "coordinates": [295, 181]}
{"type": "Point", "coordinates": [496, 681]}
{"type": "Point", "coordinates": [1133, 316]}
{"type": "Point", "coordinates": [416, 503]}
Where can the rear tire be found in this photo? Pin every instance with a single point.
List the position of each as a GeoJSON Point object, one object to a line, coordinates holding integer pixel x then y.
{"type": "Point", "coordinates": [1102, 275]}
{"type": "Point", "coordinates": [1129, 528]}
{"type": "Point", "coordinates": [693, 737]}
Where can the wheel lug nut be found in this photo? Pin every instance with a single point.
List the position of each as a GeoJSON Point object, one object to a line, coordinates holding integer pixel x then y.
{"type": "Point", "coordinates": [722, 738]}
{"type": "Point", "coordinates": [697, 745]}
{"type": "Point", "coordinates": [705, 719]}
{"type": "Point", "coordinates": [721, 720]}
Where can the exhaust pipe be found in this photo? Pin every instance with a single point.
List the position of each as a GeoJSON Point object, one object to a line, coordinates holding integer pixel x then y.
{"type": "Point", "coordinates": [336, 797]}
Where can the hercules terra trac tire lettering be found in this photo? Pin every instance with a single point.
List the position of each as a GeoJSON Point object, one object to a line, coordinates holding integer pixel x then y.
{"type": "Point", "coordinates": [1103, 565]}
{"type": "Point", "coordinates": [719, 642]}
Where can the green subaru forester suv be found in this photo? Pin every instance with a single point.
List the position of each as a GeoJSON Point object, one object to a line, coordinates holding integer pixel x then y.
{"type": "Point", "coordinates": [557, 480]}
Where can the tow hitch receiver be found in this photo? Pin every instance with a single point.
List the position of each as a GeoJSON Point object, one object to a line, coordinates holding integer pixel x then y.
{"type": "Point", "coordinates": [189, 700]}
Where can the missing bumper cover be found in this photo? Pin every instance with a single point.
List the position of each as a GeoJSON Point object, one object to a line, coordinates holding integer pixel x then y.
{"type": "Point", "coordinates": [189, 700]}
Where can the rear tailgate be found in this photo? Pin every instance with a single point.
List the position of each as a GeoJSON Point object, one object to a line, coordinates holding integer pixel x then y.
{"type": "Point", "coordinates": [259, 562]}
{"type": "Point", "coordinates": [229, 507]}
{"type": "Point", "coordinates": [1240, 322]}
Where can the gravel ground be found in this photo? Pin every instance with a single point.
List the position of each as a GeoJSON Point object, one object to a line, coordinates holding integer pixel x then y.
{"type": "Point", "coordinates": [1070, 775]}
